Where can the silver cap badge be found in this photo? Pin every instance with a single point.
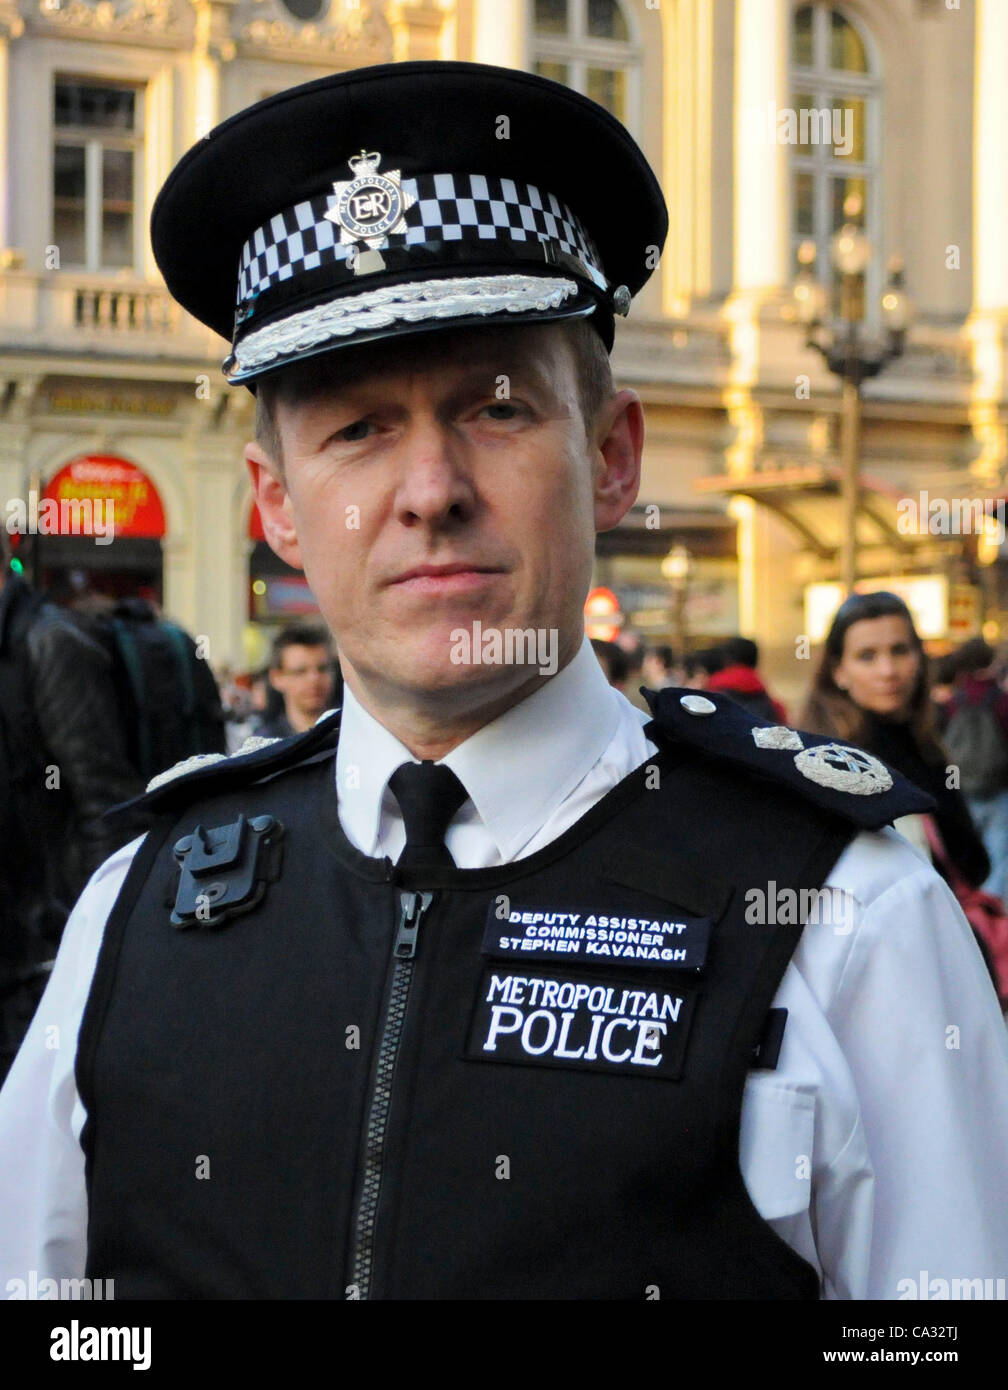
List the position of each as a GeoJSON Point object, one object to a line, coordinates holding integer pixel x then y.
{"type": "Point", "coordinates": [370, 205]}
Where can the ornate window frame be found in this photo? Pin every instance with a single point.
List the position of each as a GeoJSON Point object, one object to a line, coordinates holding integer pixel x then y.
{"type": "Point", "coordinates": [580, 51]}
{"type": "Point", "coordinates": [827, 86]}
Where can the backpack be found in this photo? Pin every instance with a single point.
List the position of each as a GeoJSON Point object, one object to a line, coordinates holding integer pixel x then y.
{"type": "Point", "coordinates": [168, 698]}
{"type": "Point", "coordinates": [976, 743]}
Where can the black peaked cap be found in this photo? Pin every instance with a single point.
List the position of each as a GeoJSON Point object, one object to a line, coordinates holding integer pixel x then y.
{"type": "Point", "coordinates": [423, 119]}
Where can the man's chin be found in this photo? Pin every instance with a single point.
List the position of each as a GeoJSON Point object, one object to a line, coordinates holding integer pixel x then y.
{"type": "Point", "coordinates": [467, 679]}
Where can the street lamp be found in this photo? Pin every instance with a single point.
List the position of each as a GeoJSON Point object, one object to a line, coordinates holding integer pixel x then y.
{"type": "Point", "coordinates": [845, 351]}
{"type": "Point", "coordinates": [676, 569]}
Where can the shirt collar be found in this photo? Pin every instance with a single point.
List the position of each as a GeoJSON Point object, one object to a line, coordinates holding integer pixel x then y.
{"type": "Point", "coordinates": [517, 769]}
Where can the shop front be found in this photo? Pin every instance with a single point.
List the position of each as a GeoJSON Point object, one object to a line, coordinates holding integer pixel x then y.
{"type": "Point", "coordinates": [96, 526]}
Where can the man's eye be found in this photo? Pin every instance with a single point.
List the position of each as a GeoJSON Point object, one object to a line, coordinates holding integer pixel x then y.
{"type": "Point", "coordinates": [357, 431]}
{"type": "Point", "coordinates": [502, 410]}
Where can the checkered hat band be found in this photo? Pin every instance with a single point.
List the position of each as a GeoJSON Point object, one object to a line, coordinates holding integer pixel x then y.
{"type": "Point", "coordinates": [472, 208]}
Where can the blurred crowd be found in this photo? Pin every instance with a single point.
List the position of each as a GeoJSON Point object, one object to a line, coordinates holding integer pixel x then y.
{"type": "Point", "coordinates": [942, 723]}
{"type": "Point", "coordinates": [289, 695]}
{"type": "Point", "coordinates": [97, 696]}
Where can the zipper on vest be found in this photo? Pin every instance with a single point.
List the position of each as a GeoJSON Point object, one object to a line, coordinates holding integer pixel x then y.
{"type": "Point", "coordinates": [412, 907]}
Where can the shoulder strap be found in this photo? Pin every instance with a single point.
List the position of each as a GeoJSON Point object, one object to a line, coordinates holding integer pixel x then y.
{"type": "Point", "coordinates": [130, 653]}
{"type": "Point", "coordinates": [208, 774]}
{"type": "Point", "coordinates": [182, 654]}
{"type": "Point", "coordinates": [842, 779]}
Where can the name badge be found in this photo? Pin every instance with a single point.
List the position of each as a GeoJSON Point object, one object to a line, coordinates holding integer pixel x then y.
{"type": "Point", "coordinates": [581, 1022]}
{"type": "Point", "coordinates": [671, 941]}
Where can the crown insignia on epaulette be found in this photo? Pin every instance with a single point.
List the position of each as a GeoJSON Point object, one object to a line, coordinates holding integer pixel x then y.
{"type": "Point", "coordinates": [835, 765]}
{"type": "Point", "coordinates": [845, 769]}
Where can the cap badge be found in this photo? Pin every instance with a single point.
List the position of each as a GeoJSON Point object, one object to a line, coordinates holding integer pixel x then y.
{"type": "Point", "coordinates": [370, 205]}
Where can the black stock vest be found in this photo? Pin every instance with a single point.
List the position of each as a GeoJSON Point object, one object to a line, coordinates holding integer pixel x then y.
{"type": "Point", "coordinates": [523, 1081]}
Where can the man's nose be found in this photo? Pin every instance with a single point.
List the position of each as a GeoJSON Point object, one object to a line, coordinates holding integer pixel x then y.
{"type": "Point", "coordinates": [435, 481]}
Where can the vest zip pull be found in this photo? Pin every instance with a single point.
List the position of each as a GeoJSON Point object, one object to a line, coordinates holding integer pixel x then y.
{"type": "Point", "coordinates": [412, 907]}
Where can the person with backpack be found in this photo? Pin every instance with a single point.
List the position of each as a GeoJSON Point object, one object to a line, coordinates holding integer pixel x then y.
{"type": "Point", "coordinates": [63, 763]}
{"type": "Point", "coordinates": [166, 693]}
{"type": "Point", "coordinates": [976, 737]}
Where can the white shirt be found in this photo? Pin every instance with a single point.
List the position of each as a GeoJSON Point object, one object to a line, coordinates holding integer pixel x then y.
{"type": "Point", "coordinates": [877, 1148]}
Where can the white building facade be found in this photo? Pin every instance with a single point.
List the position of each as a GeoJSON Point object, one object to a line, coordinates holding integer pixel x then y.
{"type": "Point", "coordinates": [761, 118]}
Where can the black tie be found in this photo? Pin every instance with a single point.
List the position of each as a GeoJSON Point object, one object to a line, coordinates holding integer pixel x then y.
{"type": "Point", "coordinates": [428, 794]}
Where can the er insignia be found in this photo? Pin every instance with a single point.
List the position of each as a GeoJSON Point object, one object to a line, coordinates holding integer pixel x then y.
{"type": "Point", "coordinates": [371, 205]}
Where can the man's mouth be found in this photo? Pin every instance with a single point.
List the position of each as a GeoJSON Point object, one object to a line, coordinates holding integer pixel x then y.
{"type": "Point", "coordinates": [454, 578]}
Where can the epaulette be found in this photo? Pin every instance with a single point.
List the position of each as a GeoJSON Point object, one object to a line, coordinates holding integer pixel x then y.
{"type": "Point", "coordinates": [836, 776]}
{"type": "Point", "coordinates": [207, 774]}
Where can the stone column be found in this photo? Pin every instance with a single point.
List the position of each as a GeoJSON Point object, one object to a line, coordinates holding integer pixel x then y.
{"type": "Point", "coordinates": [761, 195]}
{"type": "Point", "coordinates": [212, 46]}
{"type": "Point", "coordinates": [987, 324]}
{"type": "Point", "coordinates": [760, 339]}
{"type": "Point", "coordinates": [11, 27]}
{"type": "Point", "coordinates": [417, 27]}
{"type": "Point", "coordinates": [217, 596]}
{"type": "Point", "coordinates": [760, 259]}
{"type": "Point", "coordinates": [499, 32]}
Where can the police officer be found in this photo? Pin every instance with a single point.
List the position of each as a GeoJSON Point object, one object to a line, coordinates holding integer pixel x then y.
{"type": "Point", "coordinates": [488, 985]}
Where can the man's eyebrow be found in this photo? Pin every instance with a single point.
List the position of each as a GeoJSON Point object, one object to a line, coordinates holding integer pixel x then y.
{"type": "Point", "coordinates": [497, 371]}
{"type": "Point", "coordinates": [489, 368]}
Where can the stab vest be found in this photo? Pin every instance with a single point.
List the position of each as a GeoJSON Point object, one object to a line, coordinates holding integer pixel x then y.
{"type": "Point", "coordinates": [307, 1078]}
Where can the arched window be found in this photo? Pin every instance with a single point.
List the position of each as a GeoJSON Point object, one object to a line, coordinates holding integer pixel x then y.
{"type": "Point", "coordinates": [835, 98]}
{"type": "Point", "coordinates": [588, 45]}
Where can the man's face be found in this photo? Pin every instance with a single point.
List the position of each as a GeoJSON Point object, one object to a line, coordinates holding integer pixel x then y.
{"type": "Point", "coordinates": [448, 482]}
{"type": "Point", "coordinates": [304, 678]}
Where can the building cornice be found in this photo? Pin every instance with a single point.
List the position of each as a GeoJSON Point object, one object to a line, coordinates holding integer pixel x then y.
{"type": "Point", "coordinates": [154, 23]}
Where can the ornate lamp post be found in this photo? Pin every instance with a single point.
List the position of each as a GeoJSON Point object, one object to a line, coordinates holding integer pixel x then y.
{"type": "Point", "coordinates": [846, 351]}
{"type": "Point", "coordinates": [676, 569]}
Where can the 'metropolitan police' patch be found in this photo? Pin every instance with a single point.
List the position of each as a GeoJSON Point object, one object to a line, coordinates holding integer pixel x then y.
{"type": "Point", "coordinates": [593, 1024]}
{"type": "Point", "coordinates": [671, 941]}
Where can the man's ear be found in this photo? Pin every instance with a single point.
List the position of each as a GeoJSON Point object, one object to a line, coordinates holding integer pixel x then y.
{"type": "Point", "coordinates": [273, 502]}
{"type": "Point", "coordinates": [619, 445]}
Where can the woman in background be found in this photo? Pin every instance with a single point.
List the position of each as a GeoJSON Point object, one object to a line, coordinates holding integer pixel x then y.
{"type": "Point", "coordinates": [871, 689]}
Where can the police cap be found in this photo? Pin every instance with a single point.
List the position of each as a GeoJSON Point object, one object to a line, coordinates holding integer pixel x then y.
{"type": "Point", "coordinates": [402, 198]}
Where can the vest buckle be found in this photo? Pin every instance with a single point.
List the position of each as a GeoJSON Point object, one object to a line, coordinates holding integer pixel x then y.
{"type": "Point", "coordinates": [224, 870]}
